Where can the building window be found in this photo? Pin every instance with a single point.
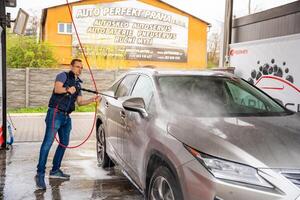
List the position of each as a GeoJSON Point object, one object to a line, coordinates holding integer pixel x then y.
{"type": "Point", "coordinates": [69, 28]}
{"type": "Point", "coordinates": [64, 28]}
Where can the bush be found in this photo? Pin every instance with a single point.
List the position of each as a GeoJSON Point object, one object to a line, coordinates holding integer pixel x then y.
{"type": "Point", "coordinates": [25, 51]}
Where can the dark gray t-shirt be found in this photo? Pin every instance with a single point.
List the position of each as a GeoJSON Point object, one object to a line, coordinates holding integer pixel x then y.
{"type": "Point", "coordinates": [62, 77]}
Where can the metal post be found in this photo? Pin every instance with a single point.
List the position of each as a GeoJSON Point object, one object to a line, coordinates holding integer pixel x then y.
{"type": "Point", "coordinates": [249, 7]}
{"type": "Point", "coordinates": [27, 73]}
{"type": "Point", "coordinates": [227, 33]}
{"type": "Point", "coordinates": [3, 56]}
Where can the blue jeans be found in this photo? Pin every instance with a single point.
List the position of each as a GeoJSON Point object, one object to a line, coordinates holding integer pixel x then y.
{"type": "Point", "coordinates": [62, 126]}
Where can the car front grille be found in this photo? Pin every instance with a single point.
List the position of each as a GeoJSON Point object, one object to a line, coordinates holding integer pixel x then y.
{"type": "Point", "coordinates": [293, 176]}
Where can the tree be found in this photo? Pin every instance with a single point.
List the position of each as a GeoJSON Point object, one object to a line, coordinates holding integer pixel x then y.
{"type": "Point", "coordinates": [33, 23]}
{"type": "Point", "coordinates": [25, 51]}
{"type": "Point", "coordinates": [252, 10]}
{"type": "Point", "coordinates": [213, 51]}
{"type": "Point", "coordinates": [32, 27]}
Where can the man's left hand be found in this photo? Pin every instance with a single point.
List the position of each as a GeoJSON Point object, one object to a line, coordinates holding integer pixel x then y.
{"type": "Point", "coordinates": [97, 98]}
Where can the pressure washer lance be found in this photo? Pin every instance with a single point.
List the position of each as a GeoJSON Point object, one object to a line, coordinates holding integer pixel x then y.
{"type": "Point", "coordinates": [95, 92]}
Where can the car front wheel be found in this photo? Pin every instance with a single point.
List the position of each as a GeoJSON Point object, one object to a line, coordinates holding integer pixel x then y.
{"type": "Point", "coordinates": [163, 186]}
{"type": "Point", "coordinates": [103, 159]}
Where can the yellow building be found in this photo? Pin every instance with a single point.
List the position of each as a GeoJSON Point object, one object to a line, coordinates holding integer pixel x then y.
{"type": "Point", "coordinates": [126, 34]}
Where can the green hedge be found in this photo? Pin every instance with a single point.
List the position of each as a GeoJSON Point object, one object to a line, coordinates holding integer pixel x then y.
{"type": "Point", "coordinates": [26, 51]}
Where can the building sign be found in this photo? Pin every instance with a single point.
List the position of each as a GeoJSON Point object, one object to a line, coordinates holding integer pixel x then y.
{"type": "Point", "coordinates": [133, 29]}
{"type": "Point", "coordinates": [272, 65]}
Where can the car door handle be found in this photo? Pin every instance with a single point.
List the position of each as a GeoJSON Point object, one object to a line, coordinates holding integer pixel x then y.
{"type": "Point", "coordinates": [122, 114]}
{"type": "Point", "coordinates": [106, 104]}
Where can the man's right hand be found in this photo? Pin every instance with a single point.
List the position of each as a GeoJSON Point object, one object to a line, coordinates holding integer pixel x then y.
{"type": "Point", "coordinates": [71, 90]}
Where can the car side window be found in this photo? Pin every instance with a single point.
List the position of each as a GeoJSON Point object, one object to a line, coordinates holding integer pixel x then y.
{"type": "Point", "coordinates": [151, 107]}
{"type": "Point", "coordinates": [126, 85]}
{"type": "Point", "coordinates": [144, 89]}
{"type": "Point", "coordinates": [115, 86]}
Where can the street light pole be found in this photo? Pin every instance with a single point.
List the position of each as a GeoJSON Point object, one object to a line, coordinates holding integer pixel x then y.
{"type": "Point", "coordinates": [3, 23]}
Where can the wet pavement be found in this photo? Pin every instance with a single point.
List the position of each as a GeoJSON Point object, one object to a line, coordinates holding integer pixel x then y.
{"type": "Point", "coordinates": [88, 181]}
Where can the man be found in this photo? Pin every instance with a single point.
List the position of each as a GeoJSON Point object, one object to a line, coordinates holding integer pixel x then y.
{"type": "Point", "coordinates": [66, 91]}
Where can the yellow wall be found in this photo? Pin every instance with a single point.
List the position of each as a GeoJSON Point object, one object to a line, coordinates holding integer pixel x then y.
{"type": "Point", "coordinates": [62, 44]}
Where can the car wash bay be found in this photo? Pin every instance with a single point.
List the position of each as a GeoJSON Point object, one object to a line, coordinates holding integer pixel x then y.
{"type": "Point", "coordinates": [88, 181]}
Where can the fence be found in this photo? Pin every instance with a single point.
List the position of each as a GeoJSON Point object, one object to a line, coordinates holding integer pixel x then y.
{"type": "Point", "coordinates": [31, 87]}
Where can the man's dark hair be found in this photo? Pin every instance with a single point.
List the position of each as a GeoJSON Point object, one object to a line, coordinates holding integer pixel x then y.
{"type": "Point", "coordinates": [75, 60]}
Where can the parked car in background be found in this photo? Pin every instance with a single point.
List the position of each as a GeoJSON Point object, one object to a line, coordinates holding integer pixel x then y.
{"type": "Point", "coordinates": [199, 135]}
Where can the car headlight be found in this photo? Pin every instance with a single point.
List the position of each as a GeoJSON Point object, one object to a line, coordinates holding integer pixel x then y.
{"type": "Point", "coordinates": [231, 171]}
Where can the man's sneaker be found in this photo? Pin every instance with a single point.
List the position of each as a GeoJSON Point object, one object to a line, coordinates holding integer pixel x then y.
{"type": "Point", "coordinates": [40, 182]}
{"type": "Point", "coordinates": [59, 174]}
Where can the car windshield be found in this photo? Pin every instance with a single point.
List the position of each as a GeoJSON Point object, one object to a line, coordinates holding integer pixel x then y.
{"type": "Point", "coordinates": [206, 96]}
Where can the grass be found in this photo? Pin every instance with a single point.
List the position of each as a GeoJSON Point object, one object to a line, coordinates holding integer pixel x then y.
{"type": "Point", "coordinates": [211, 65]}
{"type": "Point", "coordinates": [28, 110]}
{"type": "Point", "coordinates": [43, 109]}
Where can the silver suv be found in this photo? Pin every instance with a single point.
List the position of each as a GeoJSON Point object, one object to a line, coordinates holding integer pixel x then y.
{"type": "Point", "coordinates": [199, 136]}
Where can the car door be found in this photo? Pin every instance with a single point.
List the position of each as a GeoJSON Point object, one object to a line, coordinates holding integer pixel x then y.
{"type": "Point", "coordinates": [116, 121]}
{"type": "Point", "coordinates": [135, 138]}
{"type": "Point", "coordinates": [108, 109]}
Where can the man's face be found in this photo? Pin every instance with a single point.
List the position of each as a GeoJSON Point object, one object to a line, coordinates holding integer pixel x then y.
{"type": "Point", "coordinates": [77, 68]}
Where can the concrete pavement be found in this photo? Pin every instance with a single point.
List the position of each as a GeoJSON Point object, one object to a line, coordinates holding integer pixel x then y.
{"type": "Point", "coordinates": [88, 181]}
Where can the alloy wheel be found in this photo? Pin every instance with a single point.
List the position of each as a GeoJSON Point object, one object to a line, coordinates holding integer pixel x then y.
{"type": "Point", "coordinates": [161, 190]}
{"type": "Point", "coordinates": [100, 145]}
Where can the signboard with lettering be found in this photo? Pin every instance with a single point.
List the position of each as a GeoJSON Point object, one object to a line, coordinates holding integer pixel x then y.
{"type": "Point", "coordinates": [272, 65]}
{"type": "Point", "coordinates": [137, 30]}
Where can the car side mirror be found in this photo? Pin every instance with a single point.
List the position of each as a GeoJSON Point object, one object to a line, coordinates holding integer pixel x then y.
{"type": "Point", "coordinates": [136, 104]}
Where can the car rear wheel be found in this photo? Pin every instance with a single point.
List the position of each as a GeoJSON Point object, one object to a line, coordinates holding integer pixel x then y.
{"type": "Point", "coordinates": [163, 186]}
{"type": "Point", "coordinates": [103, 159]}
